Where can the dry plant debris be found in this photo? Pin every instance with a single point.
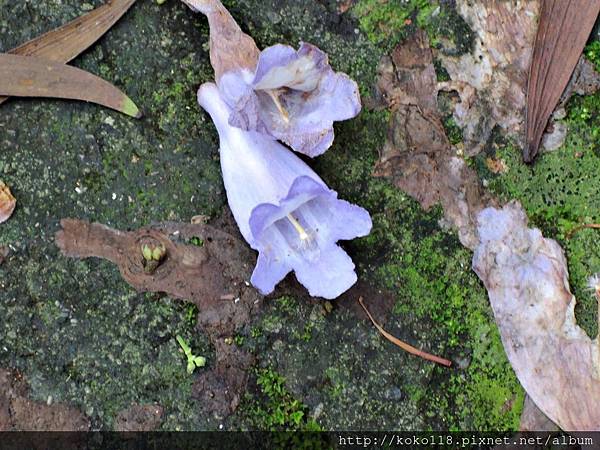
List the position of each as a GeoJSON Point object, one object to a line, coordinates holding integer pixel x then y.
{"type": "Point", "coordinates": [7, 202]}
{"type": "Point", "coordinates": [403, 345]}
{"type": "Point", "coordinates": [66, 42]}
{"type": "Point", "coordinates": [491, 80]}
{"type": "Point", "coordinates": [564, 28]}
{"type": "Point", "coordinates": [417, 156]}
{"type": "Point", "coordinates": [527, 281]}
{"type": "Point", "coordinates": [30, 76]}
{"type": "Point", "coordinates": [203, 275]}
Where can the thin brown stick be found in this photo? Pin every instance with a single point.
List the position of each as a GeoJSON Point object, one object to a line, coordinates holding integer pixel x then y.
{"type": "Point", "coordinates": [581, 227]}
{"type": "Point", "coordinates": [403, 345]}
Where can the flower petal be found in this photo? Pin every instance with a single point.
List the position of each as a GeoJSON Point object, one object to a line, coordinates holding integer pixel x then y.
{"type": "Point", "coordinates": [329, 276]}
{"type": "Point", "coordinates": [267, 273]}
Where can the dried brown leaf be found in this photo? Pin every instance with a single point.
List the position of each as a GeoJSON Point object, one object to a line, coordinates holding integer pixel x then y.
{"type": "Point", "coordinates": [527, 281]}
{"type": "Point", "coordinates": [7, 202]}
{"type": "Point", "coordinates": [230, 47]}
{"type": "Point", "coordinates": [417, 155]}
{"type": "Point", "coordinates": [30, 76]}
{"type": "Point", "coordinates": [564, 28]}
{"type": "Point", "coordinates": [66, 42]}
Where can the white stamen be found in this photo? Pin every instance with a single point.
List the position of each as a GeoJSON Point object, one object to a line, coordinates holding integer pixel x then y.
{"type": "Point", "coordinates": [301, 231]}
{"type": "Point", "coordinates": [275, 97]}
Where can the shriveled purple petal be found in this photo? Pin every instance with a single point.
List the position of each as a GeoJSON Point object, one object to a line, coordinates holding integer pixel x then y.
{"type": "Point", "coordinates": [283, 209]}
{"type": "Point", "coordinates": [295, 97]}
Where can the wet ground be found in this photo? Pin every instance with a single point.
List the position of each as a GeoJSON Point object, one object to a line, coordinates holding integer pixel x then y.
{"type": "Point", "coordinates": [86, 350]}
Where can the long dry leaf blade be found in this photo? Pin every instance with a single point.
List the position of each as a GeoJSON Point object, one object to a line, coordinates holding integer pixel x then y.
{"type": "Point", "coordinates": [564, 28]}
{"type": "Point", "coordinates": [66, 42]}
{"type": "Point", "coordinates": [30, 76]}
{"type": "Point", "coordinates": [403, 345]}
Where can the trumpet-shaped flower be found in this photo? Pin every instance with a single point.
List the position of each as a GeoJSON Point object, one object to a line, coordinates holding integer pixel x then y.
{"type": "Point", "coordinates": [283, 209]}
{"type": "Point", "coordinates": [294, 96]}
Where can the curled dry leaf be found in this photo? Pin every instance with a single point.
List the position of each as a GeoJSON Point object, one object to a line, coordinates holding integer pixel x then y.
{"type": "Point", "coordinates": [527, 281]}
{"type": "Point", "coordinates": [417, 156]}
{"type": "Point", "coordinates": [65, 43]}
{"type": "Point", "coordinates": [201, 274]}
{"type": "Point", "coordinates": [230, 47]}
{"type": "Point", "coordinates": [7, 202]}
{"type": "Point", "coordinates": [30, 76]}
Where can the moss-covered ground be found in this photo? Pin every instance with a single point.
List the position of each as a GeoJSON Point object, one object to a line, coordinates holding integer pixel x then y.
{"type": "Point", "coordinates": [81, 335]}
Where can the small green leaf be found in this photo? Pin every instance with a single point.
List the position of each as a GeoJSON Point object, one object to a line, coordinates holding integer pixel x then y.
{"type": "Point", "coordinates": [146, 252]}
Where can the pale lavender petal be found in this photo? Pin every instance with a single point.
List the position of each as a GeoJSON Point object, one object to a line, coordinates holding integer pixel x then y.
{"type": "Point", "coordinates": [268, 272]}
{"type": "Point", "coordinates": [283, 209]}
{"type": "Point", "coordinates": [319, 264]}
{"type": "Point", "coordinates": [321, 279]}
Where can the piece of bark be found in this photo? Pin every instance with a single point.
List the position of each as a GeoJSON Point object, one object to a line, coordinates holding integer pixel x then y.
{"type": "Point", "coordinates": [66, 42]}
{"type": "Point", "coordinates": [212, 276]}
{"type": "Point", "coordinates": [30, 76]}
{"type": "Point", "coordinates": [564, 28]}
{"type": "Point", "coordinates": [230, 47]}
{"type": "Point", "coordinates": [417, 155]}
{"type": "Point", "coordinates": [7, 202]}
{"type": "Point", "coordinates": [526, 277]}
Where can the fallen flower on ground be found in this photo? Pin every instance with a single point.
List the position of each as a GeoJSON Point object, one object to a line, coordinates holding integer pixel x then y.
{"type": "Point", "coordinates": [283, 209]}
{"type": "Point", "coordinates": [294, 96]}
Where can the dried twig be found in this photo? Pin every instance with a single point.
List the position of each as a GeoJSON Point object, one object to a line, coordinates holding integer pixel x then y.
{"type": "Point", "coordinates": [581, 227]}
{"type": "Point", "coordinates": [403, 345]}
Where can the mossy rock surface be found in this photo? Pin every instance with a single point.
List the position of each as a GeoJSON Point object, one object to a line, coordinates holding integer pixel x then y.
{"type": "Point", "coordinates": [82, 336]}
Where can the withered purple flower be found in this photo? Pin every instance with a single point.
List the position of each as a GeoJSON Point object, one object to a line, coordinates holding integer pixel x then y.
{"type": "Point", "coordinates": [294, 96]}
{"type": "Point", "coordinates": [283, 209]}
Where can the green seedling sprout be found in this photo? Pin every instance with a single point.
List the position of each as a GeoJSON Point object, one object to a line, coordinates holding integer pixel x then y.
{"type": "Point", "coordinates": [193, 361]}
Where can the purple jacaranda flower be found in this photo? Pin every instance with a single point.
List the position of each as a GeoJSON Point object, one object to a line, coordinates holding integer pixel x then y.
{"type": "Point", "coordinates": [295, 96]}
{"type": "Point", "coordinates": [283, 209]}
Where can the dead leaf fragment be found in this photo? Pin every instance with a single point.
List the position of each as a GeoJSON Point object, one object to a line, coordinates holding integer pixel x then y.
{"type": "Point", "coordinates": [30, 76]}
{"type": "Point", "coordinates": [417, 155]}
{"type": "Point", "coordinates": [230, 47]}
{"type": "Point", "coordinates": [491, 80]}
{"type": "Point", "coordinates": [526, 278]}
{"type": "Point", "coordinates": [496, 166]}
{"type": "Point", "coordinates": [7, 202]}
{"type": "Point", "coordinates": [66, 42]}
{"type": "Point", "coordinates": [564, 28]}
